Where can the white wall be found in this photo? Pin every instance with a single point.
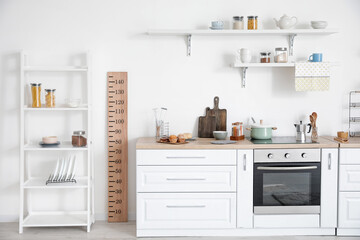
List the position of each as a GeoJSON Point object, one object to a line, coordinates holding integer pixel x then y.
{"type": "Point", "coordinates": [160, 73]}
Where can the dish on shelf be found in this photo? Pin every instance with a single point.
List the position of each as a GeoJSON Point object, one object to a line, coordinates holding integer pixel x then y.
{"type": "Point", "coordinates": [73, 102]}
{"type": "Point", "coordinates": [319, 24]}
{"type": "Point", "coordinates": [216, 28]}
{"type": "Point", "coordinates": [49, 144]}
{"type": "Point", "coordinates": [50, 140]}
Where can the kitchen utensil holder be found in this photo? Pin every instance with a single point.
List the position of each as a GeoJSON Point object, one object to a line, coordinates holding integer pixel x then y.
{"type": "Point", "coordinates": [353, 105]}
{"type": "Point", "coordinates": [60, 181]}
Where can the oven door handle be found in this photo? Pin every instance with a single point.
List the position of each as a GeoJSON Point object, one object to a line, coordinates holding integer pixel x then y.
{"type": "Point", "coordinates": [286, 168]}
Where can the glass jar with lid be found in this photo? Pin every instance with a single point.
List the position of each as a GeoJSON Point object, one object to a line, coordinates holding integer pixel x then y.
{"type": "Point", "coordinates": [79, 139]}
{"type": "Point", "coordinates": [50, 98]}
{"type": "Point", "coordinates": [281, 55]}
{"type": "Point", "coordinates": [252, 22]}
{"type": "Point", "coordinates": [35, 95]}
{"type": "Point", "coordinates": [265, 57]}
{"type": "Point", "coordinates": [238, 22]}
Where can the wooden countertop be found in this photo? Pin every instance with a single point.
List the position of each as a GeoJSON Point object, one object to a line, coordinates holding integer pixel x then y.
{"type": "Point", "coordinates": [205, 143]}
{"type": "Point", "coordinates": [354, 142]}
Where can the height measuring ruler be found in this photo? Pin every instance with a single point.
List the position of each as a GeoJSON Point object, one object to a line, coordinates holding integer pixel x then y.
{"type": "Point", "coordinates": [117, 147]}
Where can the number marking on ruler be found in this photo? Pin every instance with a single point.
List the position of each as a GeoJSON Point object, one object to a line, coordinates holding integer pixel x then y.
{"type": "Point", "coordinates": [117, 147]}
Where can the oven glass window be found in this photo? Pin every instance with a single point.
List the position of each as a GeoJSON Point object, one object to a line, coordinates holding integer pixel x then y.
{"type": "Point", "coordinates": [287, 184]}
{"type": "Point", "coordinates": [286, 189]}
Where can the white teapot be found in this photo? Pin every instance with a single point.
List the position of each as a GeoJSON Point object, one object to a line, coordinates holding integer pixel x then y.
{"type": "Point", "coordinates": [286, 22]}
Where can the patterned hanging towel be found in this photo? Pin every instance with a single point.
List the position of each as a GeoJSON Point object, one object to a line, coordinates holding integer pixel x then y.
{"type": "Point", "coordinates": [312, 76]}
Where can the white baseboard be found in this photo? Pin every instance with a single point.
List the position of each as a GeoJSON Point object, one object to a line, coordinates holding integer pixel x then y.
{"type": "Point", "coordinates": [98, 216]}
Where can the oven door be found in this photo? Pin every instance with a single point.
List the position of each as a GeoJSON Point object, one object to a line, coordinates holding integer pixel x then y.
{"type": "Point", "coordinates": [287, 188]}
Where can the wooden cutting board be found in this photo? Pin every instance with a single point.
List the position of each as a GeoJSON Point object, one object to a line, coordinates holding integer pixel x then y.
{"type": "Point", "coordinates": [220, 115]}
{"type": "Point", "coordinates": [215, 119]}
{"type": "Point", "coordinates": [207, 125]}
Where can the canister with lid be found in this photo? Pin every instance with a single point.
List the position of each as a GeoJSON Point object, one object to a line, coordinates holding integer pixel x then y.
{"type": "Point", "coordinates": [50, 98]}
{"type": "Point", "coordinates": [79, 139]}
{"type": "Point", "coordinates": [281, 55]}
{"type": "Point", "coordinates": [252, 22]}
{"type": "Point", "coordinates": [35, 95]}
{"type": "Point", "coordinates": [238, 22]}
{"type": "Point", "coordinates": [265, 57]}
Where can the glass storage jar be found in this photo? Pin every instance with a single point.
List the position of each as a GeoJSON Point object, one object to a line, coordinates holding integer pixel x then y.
{"type": "Point", "coordinates": [50, 98]}
{"type": "Point", "coordinates": [265, 57]}
{"type": "Point", "coordinates": [79, 139]}
{"type": "Point", "coordinates": [238, 22]}
{"type": "Point", "coordinates": [35, 95]}
{"type": "Point", "coordinates": [252, 22]}
{"type": "Point", "coordinates": [281, 55]}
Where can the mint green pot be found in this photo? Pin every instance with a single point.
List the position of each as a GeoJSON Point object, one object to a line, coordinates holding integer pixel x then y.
{"type": "Point", "coordinates": [261, 132]}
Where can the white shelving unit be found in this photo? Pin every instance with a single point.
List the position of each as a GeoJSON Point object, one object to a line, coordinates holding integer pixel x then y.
{"type": "Point", "coordinates": [28, 183]}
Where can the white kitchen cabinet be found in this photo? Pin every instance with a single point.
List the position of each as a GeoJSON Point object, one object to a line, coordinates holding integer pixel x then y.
{"type": "Point", "coordinates": [186, 179]}
{"type": "Point", "coordinates": [185, 157]}
{"type": "Point", "coordinates": [245, 163]}
{"type": "Point", "coordinates": [349, 210]}
{"type": "Point", "coordinates": [349, 192]}
{"type": "Point", "coordinates": [329, 182]}
{"type": "Point", "coordinates": [350, 156]}
{"type": "Point", "coordinates": [186, 210]}
{"type": "Point", "coordinates": [349, 178]}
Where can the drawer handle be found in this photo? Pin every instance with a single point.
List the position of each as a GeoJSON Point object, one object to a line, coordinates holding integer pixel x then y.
{"type": "Point", "coordinates": [184, 157]}
{"type": "Point", "coordinates": [185, 206]}
{"type": "Point", "coordinates": [186, 179]}
{"type": "Point", "coordinates": [329, 161]}
{"type": "Point", "coordinates": [244, 162]}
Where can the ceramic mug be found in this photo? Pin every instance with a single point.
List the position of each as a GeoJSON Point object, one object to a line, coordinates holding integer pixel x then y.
{"type": "Point", "coordinates": [315, 57]}
{"type": "Point", "coordinates": [245, 55]}
{"type": "Point", "coordinates": [217, 24]}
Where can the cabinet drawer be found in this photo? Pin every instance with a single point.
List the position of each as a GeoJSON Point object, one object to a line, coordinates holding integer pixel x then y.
{"type": "Point", "coordinates": [349, 210]}
{"type": "Point", "coordinates": [186, 157]}
{"type": "Point", "coordinates": [186, 178]}
{"type": "Point", "coordinates": [350, 156]}
{"type": "Point", "coordinates": [186, 210]}
{"type": "Point", "coordinates": [349, 177]}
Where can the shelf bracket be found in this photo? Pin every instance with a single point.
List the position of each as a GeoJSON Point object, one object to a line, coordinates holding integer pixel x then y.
{"type": "Point", "coordinates": [243, 76]}
{"type": "Point", "coordinates": [189, 45]}
{"type": "Point", "coordinates": [291, 44]}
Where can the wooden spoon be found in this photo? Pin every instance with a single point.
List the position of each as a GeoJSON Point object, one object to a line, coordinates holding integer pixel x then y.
{"type": "Point", "coordinates": [312, 121]}
{"type": "Point", "coordinates": [314, 114]}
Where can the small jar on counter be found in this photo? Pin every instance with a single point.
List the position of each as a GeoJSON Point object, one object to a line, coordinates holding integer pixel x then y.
{"type": "Point", "coordinates": [35, 95]}
{"type": "Point", "coordinates": [50, 98]}
{"type": "Point", "coordinates": [237, 129]}
{"type": "Point", "coordinates": [281, 55]}
{"type": "Point", "coordinates": [265, 57]}
{"type": "Point", "coordinates": [238, 22]}
{"type": "Point", "coordinates": [252, 22]}
{"type": "Point", "coordinates": [78, 139]}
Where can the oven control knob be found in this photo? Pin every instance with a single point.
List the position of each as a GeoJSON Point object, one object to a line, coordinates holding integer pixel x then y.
{"type": "Point", "coordinates": [304, 155]}
{"type": "Point", "coordinates": [270, 155]}
{"type": "Point", "coordinates": [287, 155]}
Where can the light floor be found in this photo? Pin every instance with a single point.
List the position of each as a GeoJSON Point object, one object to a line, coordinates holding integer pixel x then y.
{"type": "Point", "coordinates": [104, 230]}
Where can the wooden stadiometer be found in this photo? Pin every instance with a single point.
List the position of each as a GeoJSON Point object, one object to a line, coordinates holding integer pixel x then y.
{"type": "Point", "coordinates": [117, 147]}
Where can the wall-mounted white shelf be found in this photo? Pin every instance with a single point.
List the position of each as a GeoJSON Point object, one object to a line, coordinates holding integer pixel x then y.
{"type": "Point", "coordinates": [291, 33]}
{"type": "Point", "coordinates": [55, 69]}
{"type": "Point", "coordinates": [40, 183]}
{"type": "Point", "coordinates": [244, 66]}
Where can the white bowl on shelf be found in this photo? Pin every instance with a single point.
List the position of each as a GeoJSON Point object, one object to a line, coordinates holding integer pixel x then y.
{"type": "Point", "coordinates": [319, 24]}
{"type": "Point", "coordinates": [73, 102]}
{"type": "Point", "coordinates": [50, 140]}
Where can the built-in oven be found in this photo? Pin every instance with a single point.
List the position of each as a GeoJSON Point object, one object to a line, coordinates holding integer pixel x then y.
{"type": "Point", "coordinates": [287, 181]}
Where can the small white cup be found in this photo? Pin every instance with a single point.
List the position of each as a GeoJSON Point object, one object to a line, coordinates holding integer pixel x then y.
{"type": "Point", "coordinates": [244, 55]}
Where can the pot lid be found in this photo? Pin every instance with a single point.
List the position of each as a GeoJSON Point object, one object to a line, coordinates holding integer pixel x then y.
{"type": "Point", "coordinates": [261, 125]}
